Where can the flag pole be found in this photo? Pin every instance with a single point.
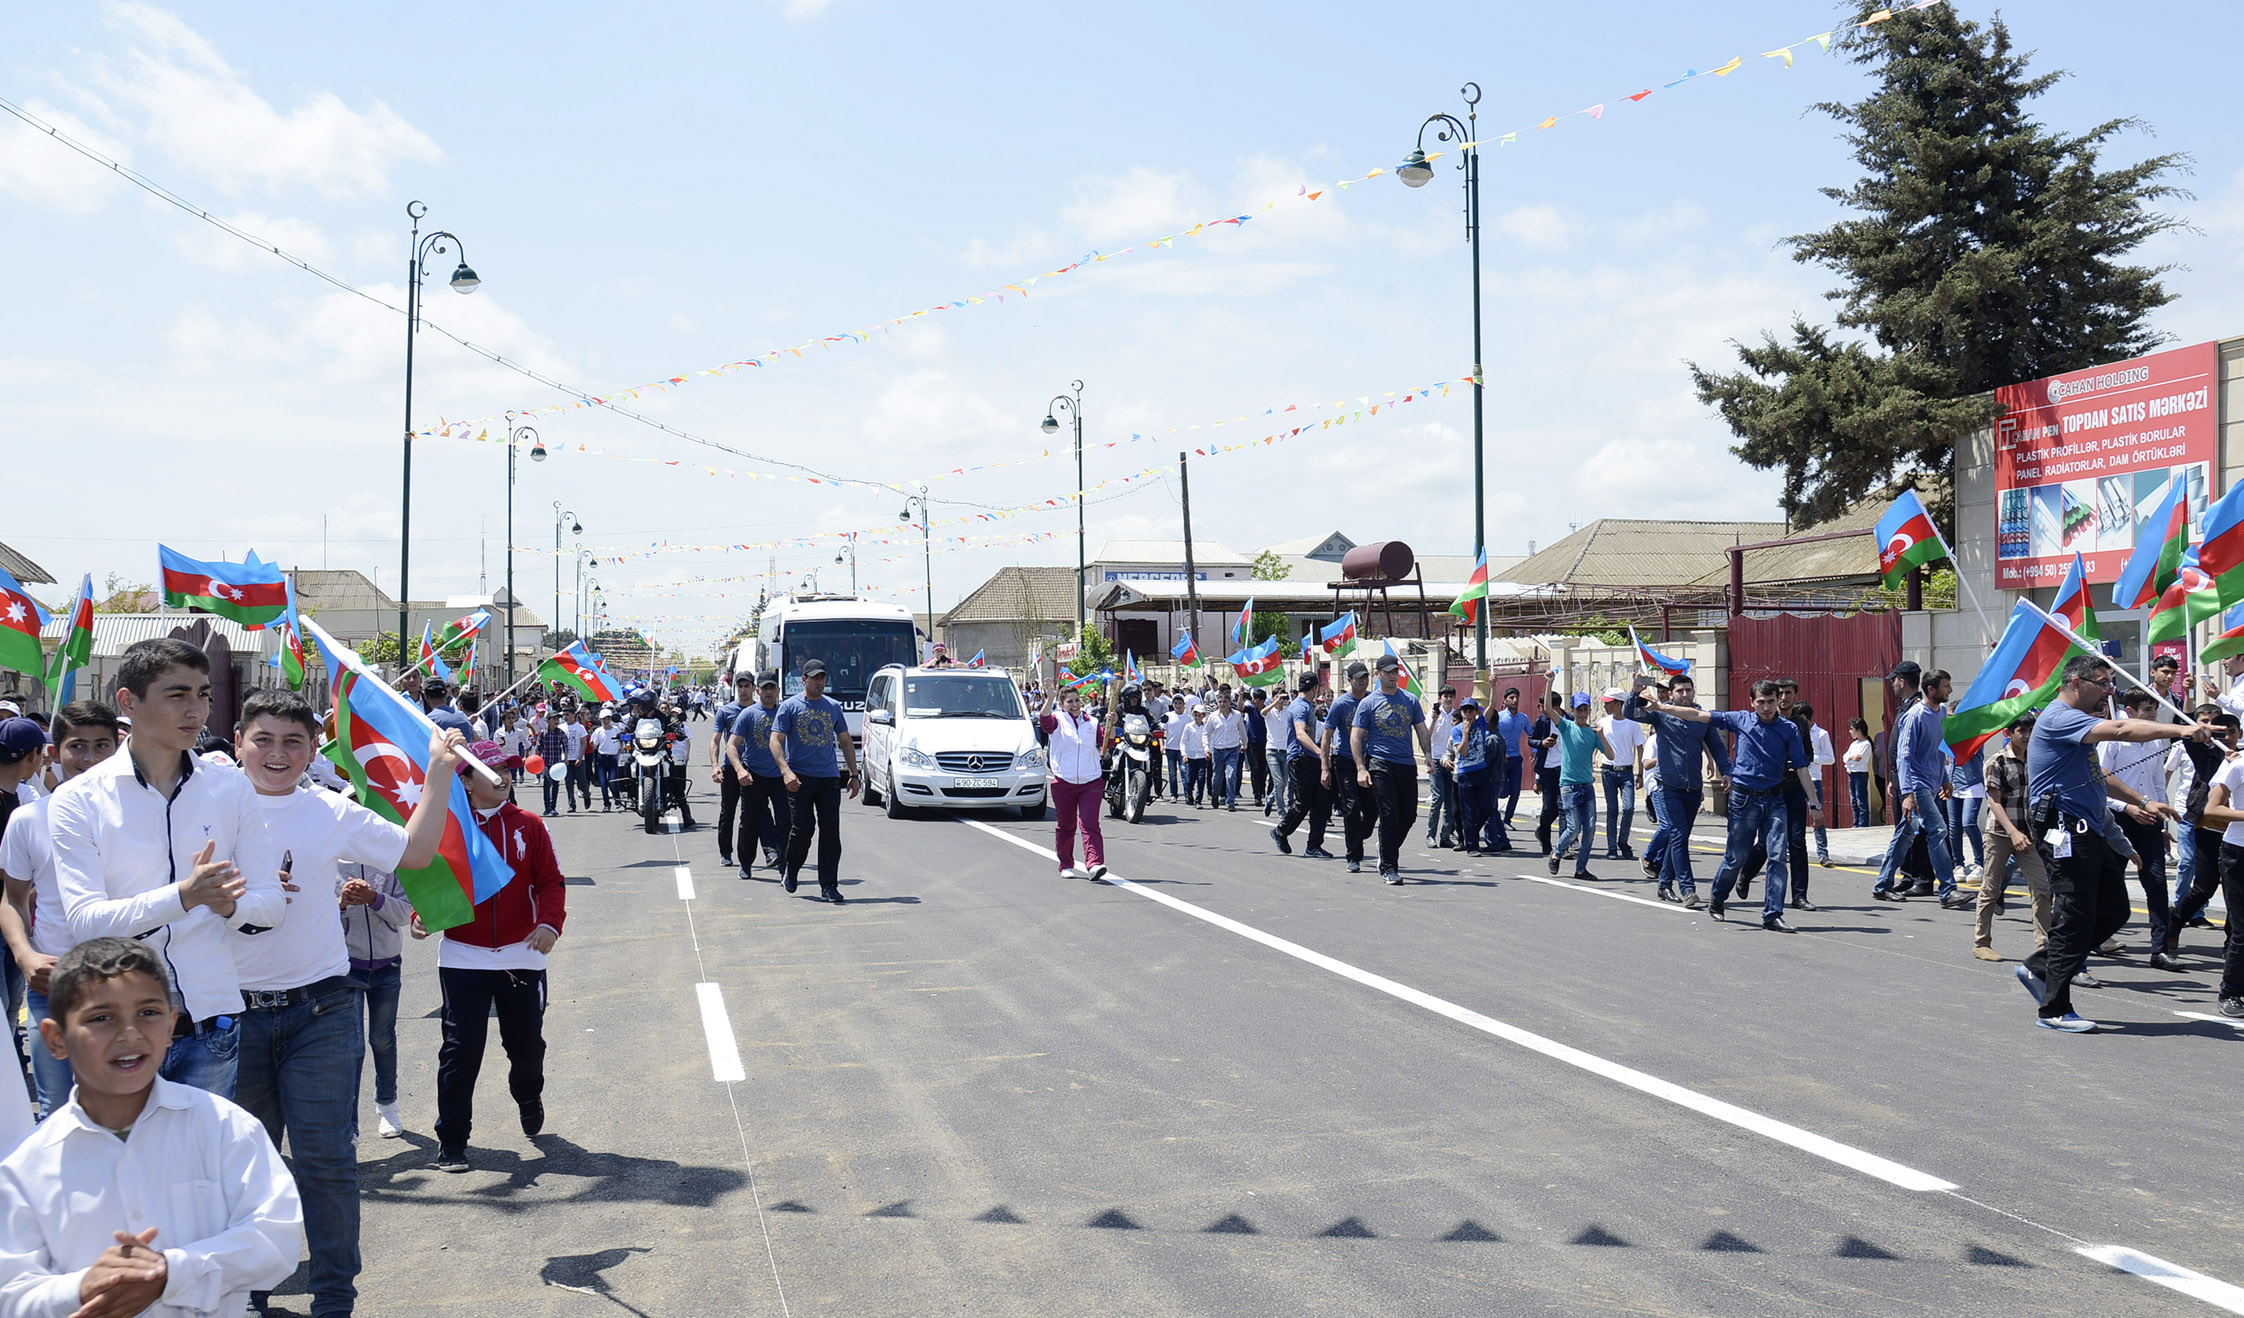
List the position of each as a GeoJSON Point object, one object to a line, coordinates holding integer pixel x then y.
{"type": "Point", "coordinates": [2089, 647]}
{"type": "Point", "coordinates": [1986, 630]}
{"type": "Point", "coordinates": [368, 674]}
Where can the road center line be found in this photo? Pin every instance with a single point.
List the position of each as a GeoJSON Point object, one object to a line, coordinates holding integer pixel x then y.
{"type": "Point", "coordinates": [1870, 1164]}
{"type": "Point", "coordinates": [2173, 1276]}
{"type": "Point", "coordinates": [685, 883]}
{"type": "Point", "coordinates": [724, 1050]}
{"type": "Point", "coordinates": [2208, 1016]}
{"type": "Point", "coordinates": [1602, 892]}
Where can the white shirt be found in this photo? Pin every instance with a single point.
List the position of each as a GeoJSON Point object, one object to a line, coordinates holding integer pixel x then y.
{"type": "Point", "coordinates": [1649, 759]}
{"type": "Point", "coordinates": [1626, 736]}
{"type": "Point", "coordinates": [2231, 776]}
{"type": "Point", "coordinates": [314, 832]}
{"type": "Point", "coordinates": [1858, 756]}
{"type": "Point", "coordinates": [1445, 722]}
{"type": "Point", "coordinates": [2178, 767]}
{"type": "Point", "coordinates": [681, 749]}
{"type": "Point", "coordinates": [1074, 748]}
{"type": "Point", "coordinates": [2232, 699]}
{"type": "Point", "coordinates": [1172, 730]}
{"type": "Point", "coordinates": [606, 741]}
{"type": "Point", "coordinates": [123, 853]}
{"type": "Point", "coordinates": [28, 856]}
{"type": "Point", "coordinates": [574, 731]}
{"type": "Point", "coordinates": [1194, 745]}
{"type": "Point", "coordinates": [1226, 731]}
{"type": "Point", "coordinates": [2139, 766]}
{"type": "Point", "coordinates": [194, 1166]}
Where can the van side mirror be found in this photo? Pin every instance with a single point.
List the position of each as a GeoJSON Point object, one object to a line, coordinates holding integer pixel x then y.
{"type": "Point", "coordinates": [880, 716]}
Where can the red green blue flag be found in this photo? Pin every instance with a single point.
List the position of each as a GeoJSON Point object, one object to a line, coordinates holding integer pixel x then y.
{"type": "Point", "coordinates": [2231, 639]}
{"type": "Point", "coordinates": [252, 593]}
{"type": "Point", "coordinates": [1409, 679]}
{"type": "Point", "coordinates": [2157, 557]}
{"type": "Point", "coordinates": [1468, 604]}
{"type": "Point", "coordinates": [2220, 551]}
{"type": "Point", "coordinates": [1185, 652]}
{"type": "Point", "coordinates": [1338, 638]}
{"type": "Point", "coordinates": [574, 667]}
{"type": "Point", "coordinates": [1652, 658]}
{"type": "Point", "coordinates": [1260, 665]}
{"type": "Point", "coordinates": [976, 661]}
{"type": "Point", "coordinates": [2023, 673]}
{"type": "Point", "coordinates": [1906, 539]}
{"type": "Point", "coordinates": [21, 617]}
{"type": "Point", "coordinates": [382, 745]}
{"type": "Point", "coordinates": [2194, 597]}
{"type": "Point", "coordinates": [460, 629]}
{"type": "Point", "coordinates": [76, 650]}
{"type": "Point", "coordinates": [1130, 671]}
{"type": "Point", "coordinates": [289, 658]}
{"type": "Point", "coordinates": [1244, 625]}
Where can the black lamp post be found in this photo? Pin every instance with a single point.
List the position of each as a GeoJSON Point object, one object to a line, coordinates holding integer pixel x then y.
{"type": "Point", "coordinates": [1050, 426]}
{"type": "Point", "coordinates": [1417, 172]}
{"type": "Point", "coordinates": [463, 281]}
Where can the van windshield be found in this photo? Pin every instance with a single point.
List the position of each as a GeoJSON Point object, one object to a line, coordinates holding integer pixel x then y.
{"type": "Point", "coordinates": [962, 696]}
{"type": "Point", "coordinates": [851, 650]}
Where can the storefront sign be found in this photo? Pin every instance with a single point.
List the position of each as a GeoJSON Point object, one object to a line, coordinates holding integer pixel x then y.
{"type": "Point", "coordinates": [2082, 459]}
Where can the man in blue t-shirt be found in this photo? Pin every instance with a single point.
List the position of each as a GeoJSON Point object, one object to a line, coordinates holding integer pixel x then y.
{"type": "Point", "coordinates": [1511, 729]}
{"type": "Point", "coordinates": [2080, 844]}
{"type": "Point", "coordinates": [1379, 740]}
{"type": "Point", "coordinates": [1357, 807]}
{"type": "Point", "coordinates": [1769, 749]}
{"type": "Point", "coordinates": [1578, 739]}
{"type": "Point", "coordinates": [1295, 729]}
{"type": "Point", "coordinates": [765, 817]}
{"type": "Point", "coordinates": [806, 735]}
{"type": "Point", "coordinates": [721, 770]}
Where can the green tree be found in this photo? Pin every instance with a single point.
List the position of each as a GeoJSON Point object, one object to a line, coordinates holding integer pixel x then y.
{"type": "Point", "coordinates": [1269, 567]}
{"type": "Point", "coordinates": [1985, 249]}
{"type": "Point", "coordinates": [380, 648]}
{"type": "Point", "coordinates": [1094, 654]}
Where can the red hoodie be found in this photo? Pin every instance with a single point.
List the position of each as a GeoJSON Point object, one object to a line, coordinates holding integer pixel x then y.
{"type": "Point", "coordinates": [535, 896]}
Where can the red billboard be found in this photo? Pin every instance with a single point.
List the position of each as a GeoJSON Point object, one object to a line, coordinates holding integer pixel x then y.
{"type": "Point", "coordinates": [2083, 459]}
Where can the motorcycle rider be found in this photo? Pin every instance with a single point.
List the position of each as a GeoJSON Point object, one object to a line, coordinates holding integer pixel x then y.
{"type": "Point", "coordinates": [1132, 701]}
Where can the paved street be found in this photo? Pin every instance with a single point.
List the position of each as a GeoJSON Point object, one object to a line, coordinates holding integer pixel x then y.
{"type": "Point", "coordinates": [1248, 1084]}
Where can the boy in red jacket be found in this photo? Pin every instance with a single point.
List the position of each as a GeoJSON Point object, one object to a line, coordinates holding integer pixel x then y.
{"type": "Point", "coordinates": [498, 957]}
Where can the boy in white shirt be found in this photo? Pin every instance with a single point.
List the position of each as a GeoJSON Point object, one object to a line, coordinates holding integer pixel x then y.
{"type": "Point", "coordinates": [139, 1196]}
{"type": "Point", "coordinates": [303, 1030]}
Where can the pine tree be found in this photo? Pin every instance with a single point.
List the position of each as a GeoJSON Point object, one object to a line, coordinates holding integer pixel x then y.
{"type": "Point", "coordinates": [1986, 250]}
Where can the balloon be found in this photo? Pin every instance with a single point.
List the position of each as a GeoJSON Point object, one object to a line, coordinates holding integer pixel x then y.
{"type": "Point", "coordinates": [558, 772]}
{"type": "Point", "coordinates": [534, 766]}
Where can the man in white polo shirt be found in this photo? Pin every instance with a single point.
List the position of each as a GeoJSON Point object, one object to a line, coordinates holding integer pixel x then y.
{"type": "Point", "coordinates": [158, 845]}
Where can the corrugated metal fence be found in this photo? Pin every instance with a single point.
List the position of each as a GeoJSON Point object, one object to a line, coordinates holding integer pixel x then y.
{"type": "Point", "coordinates": [1840, 664]}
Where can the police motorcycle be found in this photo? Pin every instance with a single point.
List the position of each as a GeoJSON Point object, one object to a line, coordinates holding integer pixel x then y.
{"type": "Point", "coordinates": [1129, 770]}
{"type": "Point", "coordinates": [647, 756]}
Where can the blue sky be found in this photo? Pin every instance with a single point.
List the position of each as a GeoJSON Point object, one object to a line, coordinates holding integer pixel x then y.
{"type": "Point", "coordinates": [656, 192]}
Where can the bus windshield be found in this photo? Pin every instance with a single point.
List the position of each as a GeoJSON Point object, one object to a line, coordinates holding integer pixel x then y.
{"type": "Point", "coordinates": [851, 650]}
{"type": "Point", "coordinates": [959, 695]}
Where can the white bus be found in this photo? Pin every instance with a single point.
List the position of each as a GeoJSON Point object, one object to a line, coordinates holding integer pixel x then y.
{"type": "Point", "coordinates": [853, 637]}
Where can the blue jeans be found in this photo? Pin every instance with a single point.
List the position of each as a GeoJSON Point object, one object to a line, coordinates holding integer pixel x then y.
{"type": "Point", "coordinates": [1509, 788]}
{"type": "Point", "coordinates": [1858, 796]}
{"type": "Point", "coordinates": [1280, 781]}
{"type": "Point", "coordinates": [1756, 817]}
{"type": "Point", "coordinates": [1226, 775]}
{"type": "Point", "coordinates": [1678, 810]}
{"type": "Point", "coordinates": [1620, 809]}
{"type": "Point", "coordinates": [1195, 779]}
{"type": "Point", "coordinates": [205, 1061]}
{"type": "Point", "coordinates": [1929, 817]}
{"type": "Point", "coordinates": [381, 1026]}
{"type": "Point", "coordinates": [300, 1068]}
{"type": "Point", "coordinates": [1441, 808]}
{"type": "Point", "coordinates": [1577, 822]}
{"type": "Point", "coordinates": [1963, 824]}
{"type": "Point", "coordinates": [49, 1072]}
{"type": "Point", "coordinates": [1176, 773]}
{"type": "Point", "coordinates": [1822, 833]}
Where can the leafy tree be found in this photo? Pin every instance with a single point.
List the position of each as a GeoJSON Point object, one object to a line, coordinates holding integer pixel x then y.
{"type": "Point", "coordinates": [1094, 654]}
{"type": "Point", "coordinates": [1985, 249]}
{"type": "Point", "coordinates": [1269, 567]}
{"type": "Point", "coordinates": [380, 648]}
{"type": "Point", "coordinates": [1267, 625]}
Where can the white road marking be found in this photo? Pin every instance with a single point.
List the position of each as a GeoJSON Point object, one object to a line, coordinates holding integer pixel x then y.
{"type": "Point", "coordinates": [2208, 1016]}
{"type": "Point", "coordinates": [724, 1050]}
{"type": "Point", "coordinates": [1870, 1164]}
{"type": "Point", "coordinates": [685, 883]}
{"type": "Point", "coordinates": [1602, 892]}
{"type": "Point", "coordinates": [2173, 1276]}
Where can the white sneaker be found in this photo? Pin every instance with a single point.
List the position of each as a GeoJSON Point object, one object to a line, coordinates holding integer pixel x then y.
{"type": "Point", "coordinates": [388, 1122]}
{"type": "Point", "coordinates": [1070, 872]}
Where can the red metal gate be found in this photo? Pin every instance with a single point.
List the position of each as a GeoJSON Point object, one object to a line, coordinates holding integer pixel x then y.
{"type": "Point", "coordinates": [1831, 658]}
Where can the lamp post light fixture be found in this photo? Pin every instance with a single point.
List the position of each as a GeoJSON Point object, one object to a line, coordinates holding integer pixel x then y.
{"type": "Point", "coordinates": [584, 559]}
{"type": "Point", "coordinates": [918, 501]}
{"type": "Point", "coordinates": [1417, 172]}
{"type": "Point", "coordinates": [1051, 426]}
{"type": "Point", "coordinates": [561, 516]}
{"type": "Point", "coordinates": [463, 280]}
{"type": "Point", "coordinates": [515, 435]}
{"type": "Point", "coordinates": [849, 551]}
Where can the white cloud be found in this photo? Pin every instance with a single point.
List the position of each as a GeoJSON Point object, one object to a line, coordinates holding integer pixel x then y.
{"type": "Point", "coordinates": [1536, 228]}
{"type": "Point", "coordinates": [1143, 203]}
{"type": "Point", "coordinates": [200, 112]}
{"type": "Point", "coordinates": [804, 10]}
{"type": "Point", "coordinates": [39, 169]}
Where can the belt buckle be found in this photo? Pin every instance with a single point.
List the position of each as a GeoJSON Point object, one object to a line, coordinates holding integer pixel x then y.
{"type": "Point", "coordinates": [266, 999]}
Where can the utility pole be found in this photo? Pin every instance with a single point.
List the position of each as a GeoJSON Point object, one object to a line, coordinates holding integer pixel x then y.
{"type": "Point", "coordinates": [1191, 578]}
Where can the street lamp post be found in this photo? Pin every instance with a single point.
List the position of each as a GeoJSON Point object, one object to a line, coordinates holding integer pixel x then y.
{"type": "Point", "coordinates": [576, 527]}
{"type": "Point", "coordinates": [514, 435]}
{"type": "Point", "coordinates": [463, 281]}
{"type": "Point", "coordinates": [850, 551]}
{"type": "Point", "coordinates": [583, 556]}
{"type": "Point", "coordinates": [927, 548]}
{"type": "Point", "coordinates": [1417, 172]}
{"type": "Point", "coordinates": [1051, 425]}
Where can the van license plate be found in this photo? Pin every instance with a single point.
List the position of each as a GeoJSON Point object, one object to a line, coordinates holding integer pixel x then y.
{"type": "Point", "coordinates": [977, 782]}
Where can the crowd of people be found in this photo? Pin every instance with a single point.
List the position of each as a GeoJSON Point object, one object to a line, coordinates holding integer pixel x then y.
{"type": "Point", "coordinates": [206, 932]}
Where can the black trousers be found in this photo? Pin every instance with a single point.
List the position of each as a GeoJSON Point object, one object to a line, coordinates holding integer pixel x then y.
{"type": "Point", "coordinates": [1357, 807]}
{"type": "Point", "coordinates": [469, 996]}
{"type": "Point", "coordinates": [1795, 848]}
{"type": "Point", "coordinates": [2088, 903]}
{"type": "Point", "coordinates": [766, 817]}
{"type": "Point", "coordinates": [674, 782]}
{"type": "Point", "coordinates": [1258, 769]}
{"type": "Point", "coordinates": [1394, 794]}
{"type": "Point", "coordinates": [728, 809]}
{"type": "Point", "coordinates": [816, 806]}
{"type": "Point", "coordinates": [1308, 800]}
{"type": "Point", "coordinates": [1546, 782]}
{"type": "Point", "coordinates": [2149, 841]}
{"type": "Point", "coordinates": [2231, 883]}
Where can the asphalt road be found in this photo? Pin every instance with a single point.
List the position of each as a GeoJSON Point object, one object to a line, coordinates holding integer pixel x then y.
{"type": "Point", "coordinates": [1240, 1083]}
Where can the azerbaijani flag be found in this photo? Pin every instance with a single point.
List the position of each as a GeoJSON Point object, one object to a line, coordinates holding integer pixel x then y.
{"type": "Point", "coordinates": [1261, 665]}
{"type": "Point", "coordinates": [1467, 605]}
{"type": "Point", "coordinates": [1185, 652]}
{"type": "Point", "coordinates": [1068, 679]}
{"type": "Point", "coordinates": [2023, 672]}
{"type": "Point", "coordinates": [430, 659]}
{"type": "Point", "coordinates": [1409, 679]}
{"type": "Point", "coordinates": [2220, 552]}
{"type": "Point", "coordinates": [252, 593]}
{"type": "Point", "coordinates": [2231, 639]}
{"type": "Point", "coordinates": [1245, 623]}
{"type": "Point", "coordinates": [1339, 638]}
{"type": "Point", "coordinates": [1906, 539]}
{"type": "Point", "coordinates": [289, 658]}
{"type": "Point", "coordinates": [2194, 597]}
{"type": "Point", "coordinates": [382, 745]}
{"type": "Point", "coordinates": [573, 667]}
{"type": "Point", "coordinates": [20, 621]}
{"type": "Point", "coordinates": [1652, 658]}
{"type": "Point", "coordinates": [460, 629]}
{"type": "Point", "coordinates": [76, 650]}
{"type": "Point", "coordinates": [2157, 557]}
{"type": "Point", "coordinates": [1130, 671]}
{"type": "Point", "coordinates": [976, 661]}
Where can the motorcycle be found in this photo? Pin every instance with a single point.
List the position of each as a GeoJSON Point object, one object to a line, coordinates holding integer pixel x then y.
{"type": "Point", "coordinates": [1129, 778]}
{"type": "Point", "coordinates": [650, 769]}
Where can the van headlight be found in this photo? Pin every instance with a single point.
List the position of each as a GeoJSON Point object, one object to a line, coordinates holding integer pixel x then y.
{"type": "Point", "coordinates": [915, 757]}
{"type": "Point", "coordinates": [1032, 758]}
